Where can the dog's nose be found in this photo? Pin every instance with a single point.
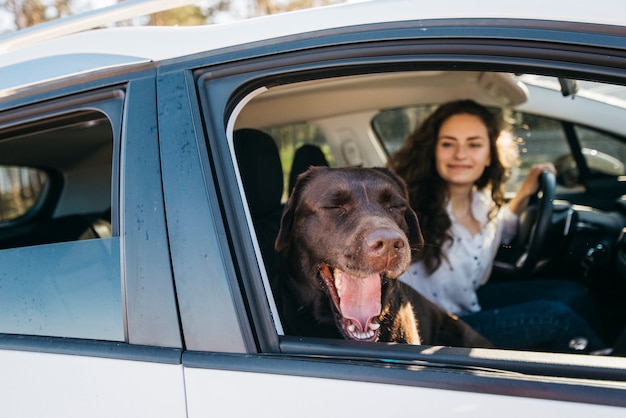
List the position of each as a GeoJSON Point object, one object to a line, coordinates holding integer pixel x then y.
{"type": "Point", "coordinates": [384, 241]}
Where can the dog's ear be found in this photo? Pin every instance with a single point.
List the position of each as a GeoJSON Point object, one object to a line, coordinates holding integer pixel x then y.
{"type": "Point", "coordinates": [415, 233]}
{"type": "Point", "coordinates": [283, 240]}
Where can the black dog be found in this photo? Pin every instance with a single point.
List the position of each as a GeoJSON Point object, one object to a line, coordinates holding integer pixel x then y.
{"type": "Point", "coordinates": [346, 235]}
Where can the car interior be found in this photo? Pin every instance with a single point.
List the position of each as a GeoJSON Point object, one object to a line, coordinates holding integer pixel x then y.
{"type": "Point", "coordinates": [56, 180]}
{"type": "Point", "coordinates": [576, 232]}
{"type": "Point", "coordinates": [56, 172]}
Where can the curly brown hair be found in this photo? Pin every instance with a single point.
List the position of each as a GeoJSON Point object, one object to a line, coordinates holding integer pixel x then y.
{"type": "Point", "coordinates": [415, 163]}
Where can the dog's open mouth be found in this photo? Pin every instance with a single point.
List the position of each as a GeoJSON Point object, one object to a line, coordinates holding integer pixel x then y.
{"type": "Point", "coordinates": [358, 300]}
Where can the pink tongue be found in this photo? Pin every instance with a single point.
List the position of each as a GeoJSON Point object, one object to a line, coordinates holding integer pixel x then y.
{"type": "Point", "coordinates": [359, 298]}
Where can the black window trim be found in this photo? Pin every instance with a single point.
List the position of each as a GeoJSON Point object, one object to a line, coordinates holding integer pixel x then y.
{"type": "Point", "coordinates": [90, 348]}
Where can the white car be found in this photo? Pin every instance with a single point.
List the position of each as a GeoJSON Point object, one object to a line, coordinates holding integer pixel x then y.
{"type": "Point", "coordinates": [135, 270]}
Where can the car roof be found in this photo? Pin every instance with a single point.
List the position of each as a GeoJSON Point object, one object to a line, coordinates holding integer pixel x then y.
{"type": "Point", "coordinates": [23, 64]}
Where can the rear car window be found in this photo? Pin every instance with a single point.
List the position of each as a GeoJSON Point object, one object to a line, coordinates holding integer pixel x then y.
{"type": "Point", "coordinates": [60, 257]}
{"type": "Point", "coordinates": [292, 137]}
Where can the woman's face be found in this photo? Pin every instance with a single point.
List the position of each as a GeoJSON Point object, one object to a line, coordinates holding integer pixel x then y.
{"type": "Point", "coordinates": [462, 150]}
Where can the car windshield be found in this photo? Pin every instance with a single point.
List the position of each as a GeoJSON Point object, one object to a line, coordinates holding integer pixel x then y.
{"type": "Point", "coordinates": [611, 94]}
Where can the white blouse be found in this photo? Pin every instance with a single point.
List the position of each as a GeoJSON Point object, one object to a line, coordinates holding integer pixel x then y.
{"type": "Point", "coordinates": [469, 258]}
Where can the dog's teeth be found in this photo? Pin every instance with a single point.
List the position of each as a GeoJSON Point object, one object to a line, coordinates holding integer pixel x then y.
{"type": "Point", "coordinates": [338, 284]}
{"type": "Point", "coordinates": [367, 335]}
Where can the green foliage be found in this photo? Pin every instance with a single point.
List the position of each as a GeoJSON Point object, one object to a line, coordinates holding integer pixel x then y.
{"type": "Point", "coordinates": [182, 16]}
{"type": "Point", "coordinates": [32, 12]}
{"type": "Point", "coordinates": [291, 137]}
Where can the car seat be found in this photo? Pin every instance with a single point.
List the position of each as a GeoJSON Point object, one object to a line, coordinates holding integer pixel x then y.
{"type": "Point", "coordinates": [306, 156]}
{"type": "Point", "coordinates": [261, 172]}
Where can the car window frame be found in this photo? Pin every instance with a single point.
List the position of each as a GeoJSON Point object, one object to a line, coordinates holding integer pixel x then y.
{"type": "Point", "coordinates": [108, 102]}
{"type": "Point", "coordinates": [253, 73]}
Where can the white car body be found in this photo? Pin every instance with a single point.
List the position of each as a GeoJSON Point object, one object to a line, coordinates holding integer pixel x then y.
{"type": "Point", "coordinates": [186, 358]}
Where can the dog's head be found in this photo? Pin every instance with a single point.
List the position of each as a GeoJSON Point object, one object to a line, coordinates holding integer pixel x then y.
{"type": "Point", "coordinates": [344, 231]}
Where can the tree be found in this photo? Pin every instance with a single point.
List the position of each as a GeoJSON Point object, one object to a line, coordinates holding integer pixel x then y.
{"type": "Point", "coordinates": [32, 12]}
{"type": "Point", "coordinates": [182, 16]}
{"type": "Point", "coordinates": [194, 15]}
{"type": "Point", "coordinates": [266, 7]}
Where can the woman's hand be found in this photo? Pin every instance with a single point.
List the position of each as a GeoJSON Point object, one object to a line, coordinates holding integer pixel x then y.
{"type": "Point", "coordinates": [529, 187]}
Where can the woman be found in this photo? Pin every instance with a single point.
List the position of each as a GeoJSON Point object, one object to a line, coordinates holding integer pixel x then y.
{"type": "Point", "coordinates": [455, 175]}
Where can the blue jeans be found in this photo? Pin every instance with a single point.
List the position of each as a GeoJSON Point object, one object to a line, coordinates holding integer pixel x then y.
{"type": "Point", "coordinates": [535, 315]}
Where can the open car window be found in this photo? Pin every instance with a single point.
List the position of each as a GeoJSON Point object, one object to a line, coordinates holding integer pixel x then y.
{"type": "Point", "coordinates": [366, 132]}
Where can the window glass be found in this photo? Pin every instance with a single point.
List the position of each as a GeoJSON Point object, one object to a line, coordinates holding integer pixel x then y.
{"type": "Point", "coordinates": [62, 290]}
{"type": "Point", "coordinates": [292, 136]}
{"type": "Point", "coordinates": [20, 190]}
{"type": "Point", "coordinates": [538, 139]}
{"type": "Point", "coordinates": [60, 260]}
{"type": "Point", "coordinates": [393, 126]}
{"type": "Point", "coordinates": [603, 153]}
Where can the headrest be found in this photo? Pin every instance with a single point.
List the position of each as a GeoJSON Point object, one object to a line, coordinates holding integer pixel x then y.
{"type": "Point", "coordinates": [261, 172]}
{"type": "Point", "coordinates": [306, 156]}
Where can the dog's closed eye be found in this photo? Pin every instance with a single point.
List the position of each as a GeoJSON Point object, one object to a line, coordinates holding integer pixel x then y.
{"type": "Point", "coordinates": [390, 200]}
{"type": "Point", "coordinates": [340, 198]}
{"type": "Point", "coordinates": [337, 210]}
{"type": "Point", "coordinates": [397, 208]}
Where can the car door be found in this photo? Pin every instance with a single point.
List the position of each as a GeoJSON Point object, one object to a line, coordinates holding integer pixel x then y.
{"type": "Point", "coordinates": [85, 267]}
{"type": "Point", "coordinates": [238, 360]}
{"type": "Point", "coordinates": [226, 371]}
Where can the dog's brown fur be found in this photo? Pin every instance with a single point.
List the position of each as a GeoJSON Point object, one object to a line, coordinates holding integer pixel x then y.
{"type": "Point", "coordinates": [355, 224]}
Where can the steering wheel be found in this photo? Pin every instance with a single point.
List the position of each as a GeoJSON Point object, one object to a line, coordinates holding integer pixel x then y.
{"type": "Point", "coordinates": [534, 226]}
